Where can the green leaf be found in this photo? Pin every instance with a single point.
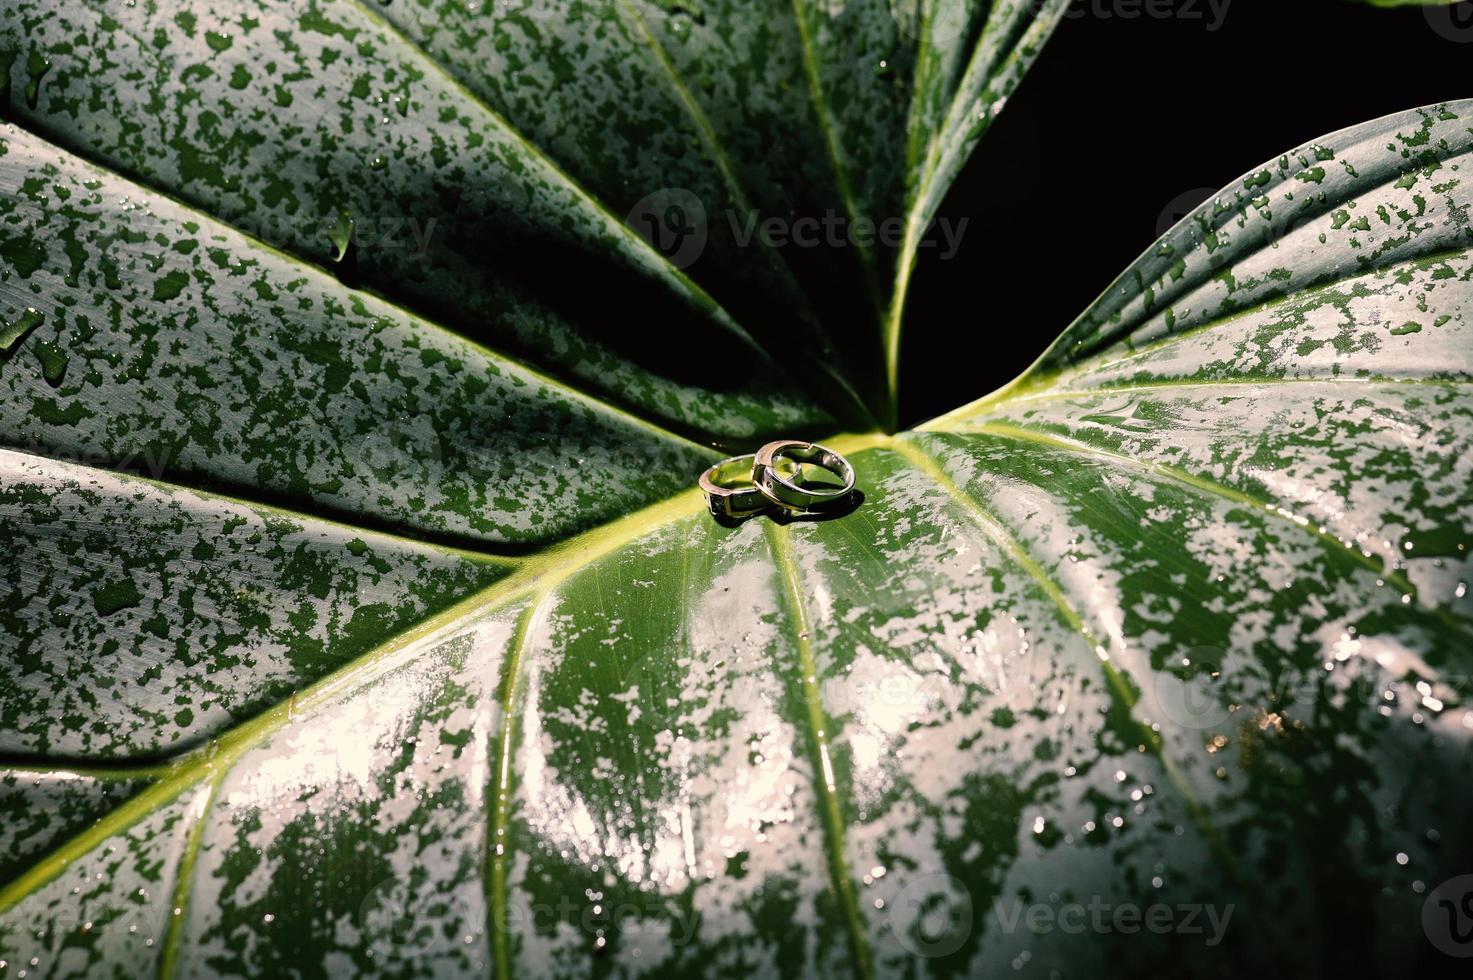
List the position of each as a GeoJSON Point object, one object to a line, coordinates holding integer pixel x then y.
{"type": "Point", "coordinates": [297, 121]}
{"type": "Point", "coordinates": [306, 123]}
{"type": "Point", "coordinates": [209, 358]}
{"type": "Point", "coordinates": [336, 640]}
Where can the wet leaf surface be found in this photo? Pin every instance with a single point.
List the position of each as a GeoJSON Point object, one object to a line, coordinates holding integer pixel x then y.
{"type": "Point", "coordinates": [341, 640]}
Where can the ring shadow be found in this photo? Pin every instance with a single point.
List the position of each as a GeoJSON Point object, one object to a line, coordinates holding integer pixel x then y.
{"type": "Point", "coordinates": [842, 507]}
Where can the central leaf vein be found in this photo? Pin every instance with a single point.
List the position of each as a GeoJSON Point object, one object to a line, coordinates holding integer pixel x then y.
{"type": "Point", "coordinates": [825, 785]}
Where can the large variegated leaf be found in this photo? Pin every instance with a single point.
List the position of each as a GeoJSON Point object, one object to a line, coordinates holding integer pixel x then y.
{"type": "Point", "coordinates": [337, 643]}
{"type": "Point", "coordinates": [484, 158]}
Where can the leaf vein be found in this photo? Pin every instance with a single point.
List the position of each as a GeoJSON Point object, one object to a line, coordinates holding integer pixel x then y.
{"type": "Point", "coordinates": [1118, 681]}
{"type": "Point", "coordinates": [781, 548]}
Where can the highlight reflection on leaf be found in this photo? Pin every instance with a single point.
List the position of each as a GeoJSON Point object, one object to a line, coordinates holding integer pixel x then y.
{"type": "Point", "coordinates": [359, 617]}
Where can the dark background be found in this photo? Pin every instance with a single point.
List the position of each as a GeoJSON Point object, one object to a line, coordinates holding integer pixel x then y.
{"type": "Point", "coordinates": [1117, 120]}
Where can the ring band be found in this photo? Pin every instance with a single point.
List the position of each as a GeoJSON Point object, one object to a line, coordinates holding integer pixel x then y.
{"type": "Point", "coordinates": [782, 491]}
{"type": "Point", "coordinates": [729, 490]}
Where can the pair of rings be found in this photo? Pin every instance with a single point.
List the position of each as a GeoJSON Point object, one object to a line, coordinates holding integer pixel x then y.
{"type": "Point", "coordinates": [743, 485]}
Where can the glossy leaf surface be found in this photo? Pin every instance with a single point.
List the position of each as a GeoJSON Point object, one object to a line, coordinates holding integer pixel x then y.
{"type": "Point", "coordinates": [1151, 661]}
{"type": "Point", "coordinates": [480, 159]}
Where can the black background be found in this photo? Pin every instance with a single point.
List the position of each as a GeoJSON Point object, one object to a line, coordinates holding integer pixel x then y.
{"type": "Point", "coordinates": [1117, 119]}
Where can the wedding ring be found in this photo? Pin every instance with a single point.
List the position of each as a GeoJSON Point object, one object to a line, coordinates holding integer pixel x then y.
{"type": "Point", "coordinates": [729, 490]}
{"type": "Point", "coordinates": [782, 490]}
